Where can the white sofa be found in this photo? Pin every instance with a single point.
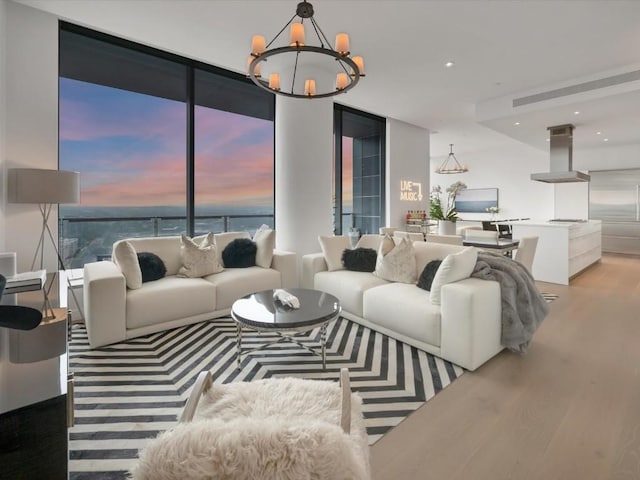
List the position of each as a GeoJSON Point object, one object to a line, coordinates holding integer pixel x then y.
{"type": "Point", "coordinates": [464, 329]}
{"type": "Point", "coordinates": [114, 313]}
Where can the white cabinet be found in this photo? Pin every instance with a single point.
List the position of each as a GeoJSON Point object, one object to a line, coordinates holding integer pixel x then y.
{"type": "Point", "coordinates": [564, 248]}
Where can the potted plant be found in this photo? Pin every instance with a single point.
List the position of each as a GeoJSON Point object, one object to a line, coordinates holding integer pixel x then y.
{"type": "Point", "coordinates": [445, 213]}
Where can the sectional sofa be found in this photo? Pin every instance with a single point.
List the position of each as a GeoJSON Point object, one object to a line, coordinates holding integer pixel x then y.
{"type": "Point", "coordinates": [114, 312]}
{"type": "Point", "coordinates": [462, 326]}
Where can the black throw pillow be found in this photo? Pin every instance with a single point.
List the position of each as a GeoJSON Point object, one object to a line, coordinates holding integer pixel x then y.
{"type": "Point", "coordinates": [240, 253]}
{"type": "Point", "coordinates": [427, 275]}
{"type": "Point", "coordinates": [359, 259]}
{"type": "Point", "coordinates": [151, 266]}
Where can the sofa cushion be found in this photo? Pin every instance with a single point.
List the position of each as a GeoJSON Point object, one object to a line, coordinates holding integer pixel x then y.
{"type": "Point", "coordinates": [234, 283]}
{"type": "Point", "coordinates": [369, 240]}
{"type": "Point", "coordinates": [454, 267]}
{"type": "Point", "coordinates": [405, 309]}
{"type": "Point", "coordinates": [399, 264]}
{"type": "Point", "coordinates": [427, 252]}
{"type": "Point", "coordinates": [167, 248]}
{"type": "Point", "coordinates": [332, 248]}
{"type": "Point", "coordinates": [198, 258]}
{"type": "Point", "coordinates": [239, 253]}
{"type": "Point", "coordinates": [265, 239]}
{"type": "Point", "coordinates": [428, 274]}
{"type": "Point", "coordinates": [359, 259]}
{"type": "Point", "coordinates": [125, 257]}
{"type": "Point", "coordinates": [348, 287]}
{"type": "Point", "coordinates": [223, 239]}
{"type": "Point", "coordinates": [151, 266]}
{"type": "Point", "coordinates": [168, 299]}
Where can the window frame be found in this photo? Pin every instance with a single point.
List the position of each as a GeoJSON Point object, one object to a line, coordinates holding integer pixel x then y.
{"type": "Point", "coordinates": [338, 129]}
{"type": "Point", "coordinates": [191, 67]}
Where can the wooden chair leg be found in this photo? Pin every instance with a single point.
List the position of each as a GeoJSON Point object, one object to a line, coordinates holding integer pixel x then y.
{"type": "Point", "coordinates": [201, 386]}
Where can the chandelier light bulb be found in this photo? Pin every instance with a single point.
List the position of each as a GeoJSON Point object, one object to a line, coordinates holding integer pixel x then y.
{"type": "Point", "coordinates": [359, 61]}
{"type": "Point", "coordinates": [274, 81]}
{"type": "Point", "coordinates": [341, 81]}
{"type": "Point", "coordinates": [258, 45]}
{"type": "Point", "coordinates": [342, 44]}
{"type": "Point", "coordinates": [256, 70]}
{"type": "Point", "coordinates": [310, 87]}
{"type": "Point", "coordinates": [297, 35]}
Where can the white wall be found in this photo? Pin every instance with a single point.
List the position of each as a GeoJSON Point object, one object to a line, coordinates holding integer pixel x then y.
{"type": "Point", "coordinates": [572, 200]}
{"type": "Point", "coordinates": [508, 168]}
{"type": "Point", "coordinates": [3, 122]}
{"type": "Point", "coordinates": [304, 161]}
{"type": "Point", "coordinates": [32, 119]}
{"type": "Point", "coordinates": [611, 157]}
{"type": "Point", "coordinates": [407, 159]}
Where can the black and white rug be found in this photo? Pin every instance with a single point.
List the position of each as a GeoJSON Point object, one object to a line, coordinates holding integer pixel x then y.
{"type": "Point", "coordinates": [127, 393]}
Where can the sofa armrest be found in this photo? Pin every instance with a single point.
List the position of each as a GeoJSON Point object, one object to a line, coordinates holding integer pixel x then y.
{"type": "Point", "coordinates": [105, 295]}
{"type": "Point", "coordinates": [471, 323]}
{"type": "Point", "coordinates": [312, 263]}
{"type": "Point", "coordinates": [287, 264]}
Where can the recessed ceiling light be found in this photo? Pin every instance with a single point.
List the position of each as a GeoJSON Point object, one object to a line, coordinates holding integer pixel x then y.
{"type": "Point", "coordinates": [606, 139]}
{"type": "Point", "coordinates": [576, 113]}
{"type": "Point", "coordinates": [598, 133]}
{"type": "Point", "coordinates": [517, 123]}
{"type": "Point", "coordinates": [449, 64]}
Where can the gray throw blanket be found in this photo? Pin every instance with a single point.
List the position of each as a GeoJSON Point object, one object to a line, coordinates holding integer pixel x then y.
{"type": "Point", "coordinates": [523, 308]}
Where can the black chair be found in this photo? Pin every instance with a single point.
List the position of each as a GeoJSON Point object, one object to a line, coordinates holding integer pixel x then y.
{"type": "Point", "coordinates": [489, 226]}
{"type": "Point", "coordinates": [16, 316]}
{"type": "Point", "coordinates": [504, 231]}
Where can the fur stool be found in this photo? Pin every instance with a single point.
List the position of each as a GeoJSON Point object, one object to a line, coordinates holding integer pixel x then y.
{"type": "Point", "coordinates": [272, 429]}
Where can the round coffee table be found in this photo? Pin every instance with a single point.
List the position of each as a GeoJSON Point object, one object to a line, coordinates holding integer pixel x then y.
{"type": "Point", "coordinates": [260, 312]}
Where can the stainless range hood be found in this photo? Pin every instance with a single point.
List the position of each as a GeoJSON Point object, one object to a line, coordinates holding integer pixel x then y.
{"type": "Point", "coordinates": [561, 153]}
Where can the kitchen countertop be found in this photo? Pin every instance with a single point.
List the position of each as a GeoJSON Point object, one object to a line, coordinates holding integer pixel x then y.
{"type": "Point", "coordinates": [546, 223]}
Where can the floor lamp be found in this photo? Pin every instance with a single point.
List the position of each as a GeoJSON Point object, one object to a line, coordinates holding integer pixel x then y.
{"type": "Point", "coordinates": [45, 188]}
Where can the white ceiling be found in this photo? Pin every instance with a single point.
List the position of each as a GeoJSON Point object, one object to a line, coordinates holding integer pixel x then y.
{"type": "Point", "coordinates": [500, 49]}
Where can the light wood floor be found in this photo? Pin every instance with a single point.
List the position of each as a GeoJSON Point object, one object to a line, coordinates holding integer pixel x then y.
{"type": "Point", "coordinates": [568, 409]}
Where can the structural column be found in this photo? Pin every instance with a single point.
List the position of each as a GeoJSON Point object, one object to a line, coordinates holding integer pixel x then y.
{"type": "Point", "coordinates": [407, 171]}
{"type": "Point", "coordinates": [304, 158]}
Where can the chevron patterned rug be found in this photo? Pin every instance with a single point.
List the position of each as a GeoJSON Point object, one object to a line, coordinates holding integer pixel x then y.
{"type": "Point", "coordinates": [127, 393]}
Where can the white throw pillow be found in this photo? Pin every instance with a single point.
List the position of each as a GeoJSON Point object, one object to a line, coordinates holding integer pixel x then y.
{"type": "Point", "coordinates": [125, 256]}
{"type": "Point", "coordinates": [454, 267]}
{"type": "Point", "coordinates": [265, 240]}
{"type": "Point", "coordinates": [332, 247]}
{"type": "Point", "coordinates": [399, 264]}
{"type": "Point", "coordinates": [370, 241]}
{"type": "Point", "coordinates": [199, 260]}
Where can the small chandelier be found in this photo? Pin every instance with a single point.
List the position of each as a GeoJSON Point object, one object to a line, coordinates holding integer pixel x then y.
{"type": "Point", "coordinates": [454, 167]}
{"type": "Point", "coordinates": [299, 59]}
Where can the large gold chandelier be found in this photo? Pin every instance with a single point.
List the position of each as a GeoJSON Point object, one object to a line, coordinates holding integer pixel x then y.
{"type": "Point", "coordinates": [295, 67]}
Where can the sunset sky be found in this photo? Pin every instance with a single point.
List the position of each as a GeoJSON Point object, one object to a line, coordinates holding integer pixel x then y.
{"type": "Point", "coordinates": [130, 150]}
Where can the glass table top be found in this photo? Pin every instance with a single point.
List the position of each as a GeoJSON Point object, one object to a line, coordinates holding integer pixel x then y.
{"type": "Point", "coordinates": [261, 310]}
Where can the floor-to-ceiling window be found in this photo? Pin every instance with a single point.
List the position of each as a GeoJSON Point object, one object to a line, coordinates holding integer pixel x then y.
{"type": "Point", "coordinates": [234, 138]}
{"type": "Point", "coordinates": [358, 171]}
{"type": "Point", "coordinates": [164, 145]}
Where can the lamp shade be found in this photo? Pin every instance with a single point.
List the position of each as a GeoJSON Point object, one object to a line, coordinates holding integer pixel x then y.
{"type": "Point", "coordinates": [34, 185]}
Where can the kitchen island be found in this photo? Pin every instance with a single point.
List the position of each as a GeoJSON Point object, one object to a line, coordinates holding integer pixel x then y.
{"type": "Point", "coordinates": [564, 248]}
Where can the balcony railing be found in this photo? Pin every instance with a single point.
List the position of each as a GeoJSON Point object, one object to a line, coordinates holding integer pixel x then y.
{"type": "Point", "coordinates": [87, 239]}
